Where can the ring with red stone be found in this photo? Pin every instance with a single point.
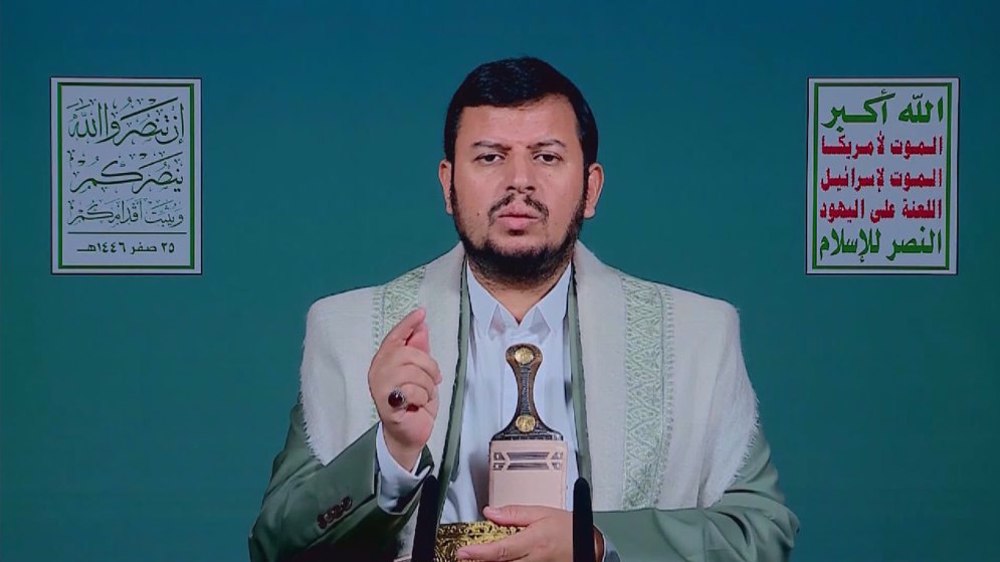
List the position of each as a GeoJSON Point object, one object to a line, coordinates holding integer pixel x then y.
{"type": "Point", "coordinates": [397, 399]}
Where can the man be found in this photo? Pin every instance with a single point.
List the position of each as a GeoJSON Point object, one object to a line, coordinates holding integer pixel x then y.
{"type": "Point", "coordinates": [646, 382]}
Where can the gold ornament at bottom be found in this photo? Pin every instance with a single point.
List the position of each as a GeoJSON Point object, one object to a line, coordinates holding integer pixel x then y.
{"type": "Point", "coordinates": [453, 536]}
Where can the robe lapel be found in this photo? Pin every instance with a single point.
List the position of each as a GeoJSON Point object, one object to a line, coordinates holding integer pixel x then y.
{"type": "Point", "coordinates": [441, 295]}
{"type": "Point", "coordinates": [601, 307]}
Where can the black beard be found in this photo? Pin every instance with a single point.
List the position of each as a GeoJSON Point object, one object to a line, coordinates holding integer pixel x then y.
{"type": "Point", "coordinates": [523, 268]}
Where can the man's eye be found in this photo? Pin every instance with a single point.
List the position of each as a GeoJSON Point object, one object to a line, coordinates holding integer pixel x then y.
{"type": "Point", "coordinates": [488, 158]}
{"type": "Point", "coordinates": [548, 158]}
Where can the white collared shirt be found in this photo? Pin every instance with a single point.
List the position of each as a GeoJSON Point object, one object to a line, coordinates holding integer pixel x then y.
{"type": "Point", "coordinates": [491, 398]}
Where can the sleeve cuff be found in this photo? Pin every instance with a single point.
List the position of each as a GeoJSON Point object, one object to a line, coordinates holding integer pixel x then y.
{"type": "Point", "coordinates": [395, 483]}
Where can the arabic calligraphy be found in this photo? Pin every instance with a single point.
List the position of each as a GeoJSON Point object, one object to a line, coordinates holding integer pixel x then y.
{"type": "Point", "coordinates": [111, 174]}
{"type": "Point", "coordinates": [881, 173]}
{"type": "Point", "coordinates": [871, 115]}
{"type": "Point", "coordinates": [837, 243]}
{"type": "Point", "coordinates": [140, 210]}
{"type": "Point", "coordinates": [145, 117]}
{"type": "Point", "coordinates": [126, 171]}
{"type": "Point", "coordinates": [913, 112]}
{"type": "Point", "coordinates": [119, 246]}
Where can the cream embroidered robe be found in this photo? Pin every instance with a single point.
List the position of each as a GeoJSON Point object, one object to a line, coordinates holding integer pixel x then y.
{"type": "Point", "coordinates": [666, 419]}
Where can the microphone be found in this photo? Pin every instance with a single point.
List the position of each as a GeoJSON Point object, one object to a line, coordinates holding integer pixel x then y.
{"type": "Point", "coordinates": [583, 522]}
{"type": "Point", "coordinates": [425, 532]}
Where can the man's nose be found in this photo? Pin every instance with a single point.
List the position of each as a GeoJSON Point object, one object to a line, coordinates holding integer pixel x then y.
{"type": "Point", "coordinates": [521, 175]}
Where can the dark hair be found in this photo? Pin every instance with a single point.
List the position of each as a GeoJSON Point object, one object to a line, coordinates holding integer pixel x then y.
{"type": "Point", "coordinates": [513, 83]}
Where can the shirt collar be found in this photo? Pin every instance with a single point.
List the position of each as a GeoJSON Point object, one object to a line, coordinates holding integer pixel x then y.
{"type": "Point", "coordinates": [546, 315]}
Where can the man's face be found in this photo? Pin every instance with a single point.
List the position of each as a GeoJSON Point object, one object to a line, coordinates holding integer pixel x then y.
{"type": "Point", "coordinates": [517, 188]}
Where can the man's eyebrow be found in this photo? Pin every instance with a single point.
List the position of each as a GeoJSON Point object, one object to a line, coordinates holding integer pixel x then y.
{"type": "Point", "coordinates": [547, 142]}
{"type": "Point", "coordinates": [505, 148]}
{"type": "Point", "coordinates": [490, 144]}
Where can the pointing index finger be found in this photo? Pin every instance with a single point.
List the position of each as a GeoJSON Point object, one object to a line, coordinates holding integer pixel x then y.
{"type": "Point", "coordinates": [405, 328]}
{"type": "Point", "coordinates": [420, 338]}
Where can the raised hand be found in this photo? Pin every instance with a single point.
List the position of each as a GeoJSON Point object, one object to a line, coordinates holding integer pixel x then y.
{"type": "Point", "coordinates": [403, 367]}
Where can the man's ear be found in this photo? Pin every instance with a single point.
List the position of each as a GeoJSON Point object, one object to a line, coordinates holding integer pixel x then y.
{"type": "Point", "coordinates": [445, 170]}
{"type": "Point", "coordinates": [595, 183]}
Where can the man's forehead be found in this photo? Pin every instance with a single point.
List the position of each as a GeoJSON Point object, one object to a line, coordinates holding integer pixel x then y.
{"type": "Point", "coordinates": [550, 119]}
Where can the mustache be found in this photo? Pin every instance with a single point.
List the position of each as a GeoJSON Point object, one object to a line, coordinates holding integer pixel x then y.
{"type": "Point", "coordinates": [528, 200]}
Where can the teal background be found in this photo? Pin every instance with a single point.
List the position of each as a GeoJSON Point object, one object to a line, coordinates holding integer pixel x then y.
{"type": "Point", "coordinates": [140, 414]}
